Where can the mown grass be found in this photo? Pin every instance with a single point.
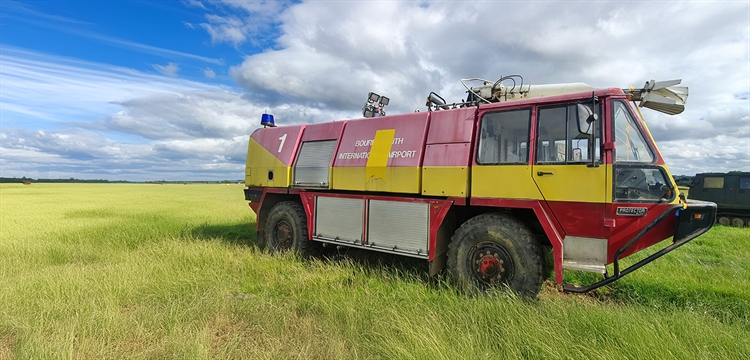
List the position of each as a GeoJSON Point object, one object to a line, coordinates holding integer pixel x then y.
{"type": "Point", "coordinates": [171, 271]}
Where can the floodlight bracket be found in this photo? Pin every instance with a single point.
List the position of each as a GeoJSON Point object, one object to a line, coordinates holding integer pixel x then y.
{"type": "Point", "coordinates": [374, 105]}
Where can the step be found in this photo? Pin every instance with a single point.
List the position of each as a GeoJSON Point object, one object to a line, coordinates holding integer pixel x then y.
{"type": "Point", "coordinates": [584, 266]}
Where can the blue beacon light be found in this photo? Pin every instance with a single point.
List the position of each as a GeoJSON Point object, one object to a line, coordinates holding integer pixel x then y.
{"type": "Point", "coordinates": [267, 120]}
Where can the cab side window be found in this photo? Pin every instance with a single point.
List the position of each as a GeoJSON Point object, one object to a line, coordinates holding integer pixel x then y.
{"type": "Point", "coordinates": [503, 137]}
{"type": "Point", "coordinates": [713, 183]}
{"type": "Point", "coordinates": [558, 138]}
{"type": "Point", "coordinates": [745, 183]}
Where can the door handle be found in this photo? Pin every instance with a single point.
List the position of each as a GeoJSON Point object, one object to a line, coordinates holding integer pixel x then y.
{"type": "Point", "coordinates": [542, 173]}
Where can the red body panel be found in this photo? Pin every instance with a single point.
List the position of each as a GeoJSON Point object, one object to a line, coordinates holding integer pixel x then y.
{"type": "Point", "coordinates": [409, 136]}
{"type": "Point", "coordinates": [580, 218]}
{"type": "Point", "coordinates": [626, 227]}
{"type": "Point", "coordinates": [456, 154]}
{"type": "Point", "coordinates": [453, 126]}
{"type": "Point", "coordinates": [323, 131]}
{"type": "Point", "coordinates": [282, 142]}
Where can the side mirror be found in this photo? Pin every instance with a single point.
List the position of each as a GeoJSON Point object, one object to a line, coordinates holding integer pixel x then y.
{"type": "Point", "coordinates": [586, 118]}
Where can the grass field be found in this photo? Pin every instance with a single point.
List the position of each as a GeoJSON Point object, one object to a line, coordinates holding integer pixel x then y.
{"type": "Point", "coordinates": [171, 271]}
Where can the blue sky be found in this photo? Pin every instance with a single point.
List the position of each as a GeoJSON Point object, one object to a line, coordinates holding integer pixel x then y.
{"type": "Point", "coordinates": [140, 90]}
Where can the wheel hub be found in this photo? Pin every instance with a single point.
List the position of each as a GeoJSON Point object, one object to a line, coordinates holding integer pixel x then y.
{"type": "Point", "coordinates": [283, 234]}
{"type": "Point", "coordinates": [491, 264]}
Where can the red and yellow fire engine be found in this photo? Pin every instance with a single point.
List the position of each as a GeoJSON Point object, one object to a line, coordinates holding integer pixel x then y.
{"type": "Point", "coordinates": [483, 186]}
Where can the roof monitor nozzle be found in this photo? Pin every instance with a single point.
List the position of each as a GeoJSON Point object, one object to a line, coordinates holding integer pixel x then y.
{"type": "Point", "coordinates": [267, 120]}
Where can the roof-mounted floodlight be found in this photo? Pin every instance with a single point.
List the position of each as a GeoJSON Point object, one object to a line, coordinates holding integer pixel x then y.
{"type": "Point", "coordinates": [374, 105]}
{"type": "Point", "coordinates": [662, 96]}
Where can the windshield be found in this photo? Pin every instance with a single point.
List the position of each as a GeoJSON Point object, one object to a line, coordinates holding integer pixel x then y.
{"type": "Point", "coordinates": [630, 144]}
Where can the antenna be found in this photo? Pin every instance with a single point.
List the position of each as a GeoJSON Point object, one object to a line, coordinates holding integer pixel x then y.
{"type": "Point", "coordinates": [662, 96]}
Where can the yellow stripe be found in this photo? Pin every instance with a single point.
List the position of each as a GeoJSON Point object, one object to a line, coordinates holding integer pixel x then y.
{"type": "Point", "coordinates": [575, 183]}
{"type": "Point", "coordinates": [445, 180]}
{"type": "Point", "coordinates": [503, 182]}
{"type": "Point", "coordinates": [378, 159]}
{"type": "Point", "coordinates": [402, 179]}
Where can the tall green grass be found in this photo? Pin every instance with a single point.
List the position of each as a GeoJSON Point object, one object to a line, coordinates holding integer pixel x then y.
{"type": "Point", "coordinates": [171, 271]}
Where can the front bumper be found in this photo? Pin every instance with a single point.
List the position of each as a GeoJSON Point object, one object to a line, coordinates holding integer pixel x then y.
{"type": "Point", "coordinates": [694, 220]}
{"type": "Point", "coordinates": [254, 195]}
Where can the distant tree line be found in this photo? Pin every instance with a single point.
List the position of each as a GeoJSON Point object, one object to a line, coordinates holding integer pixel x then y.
{"type": "Point", "coordinates": [683, 180]}
{"type": "Point", "coordinates": [71, 180]}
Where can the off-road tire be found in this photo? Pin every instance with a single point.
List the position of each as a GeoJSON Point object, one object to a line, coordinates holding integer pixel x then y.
{"type": "Point", "coordinates": [286, 230]}
{"type": "Point", "coordinates": [496, 251]}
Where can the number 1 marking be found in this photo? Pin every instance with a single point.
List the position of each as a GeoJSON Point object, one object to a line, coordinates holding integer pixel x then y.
{"type": "Point", "coordinates": [283, 138]}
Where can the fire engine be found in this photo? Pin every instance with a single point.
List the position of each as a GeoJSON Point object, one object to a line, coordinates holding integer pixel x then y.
{"type": "Point", "coordinates": [481, 187]}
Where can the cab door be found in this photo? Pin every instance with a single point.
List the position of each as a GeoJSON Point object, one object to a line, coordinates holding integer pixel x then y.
{"type": "Point", "coordinates": [743, 190]}
{"type": "Point", "coordinates": [575, 191]}
{"type": "Point", "coordinates": [502, 169]}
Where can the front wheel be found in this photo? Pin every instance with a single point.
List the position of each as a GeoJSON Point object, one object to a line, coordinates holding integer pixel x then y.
{"type": "Point", "coordinates": [286, 230]}
{"type": "Point", "coordinates": [492, 251]}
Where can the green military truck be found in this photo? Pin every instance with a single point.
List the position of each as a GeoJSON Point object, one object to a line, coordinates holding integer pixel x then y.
{"type": "Point", "coordinates": [730, 192]}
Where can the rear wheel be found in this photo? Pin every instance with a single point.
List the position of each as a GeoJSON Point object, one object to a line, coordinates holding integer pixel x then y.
{"type": "Point", "coordinates": [495, 251]}
{"type": "Point", "coordinates": [723, 220]}
{"type": "Point", "coordinates": [738, 222]}
{"type": "Point", "coordinates": [286, 230]}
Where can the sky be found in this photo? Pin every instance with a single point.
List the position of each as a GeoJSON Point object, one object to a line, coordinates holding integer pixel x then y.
{"type": "Point", "coordinates": [171, 90]}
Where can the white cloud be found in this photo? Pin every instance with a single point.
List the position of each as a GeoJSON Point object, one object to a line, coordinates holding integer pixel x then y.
{"type": "Point", "coordinates": [225, 29]}
{"type": "Point", "coordinates": [331, 59]}
{"type": "Point", "coordinates": [170, 69]}
{"type": "Point", "coordinates": [14, 6]}
{"type": "Point", "coordinates": [194, 3]}
{"type": "Point", "coordinates": [115, 123]}
{"type": "Point", "coordinates": [107, 122]}
{"type": "Point", "coordinates": [255, 23]}
{"type": "Point", "coordinates": [66, 89]}
{"type": "Point", "coordinates": [325, 57]}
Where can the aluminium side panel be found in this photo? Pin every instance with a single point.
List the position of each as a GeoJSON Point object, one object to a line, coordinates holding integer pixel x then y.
{"type": "Point", "coordinates": [313, 165]}
{"type": "Point", "coordinates": [339, 218]}
{"type": "Point", "coordinates": [399, 226]}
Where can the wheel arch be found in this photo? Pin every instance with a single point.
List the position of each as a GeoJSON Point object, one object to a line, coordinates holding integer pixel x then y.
{"type": "Point", "coordinates": [527, 216]}
{"type": "Point", "coordinates": [460, 214]}
{"type": "Point", "coordinates": [268, 201]}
